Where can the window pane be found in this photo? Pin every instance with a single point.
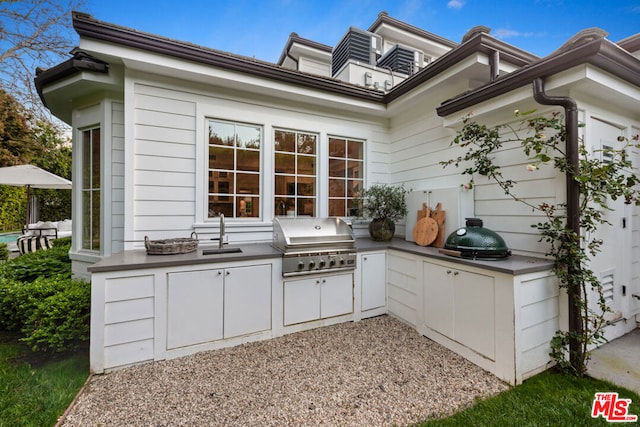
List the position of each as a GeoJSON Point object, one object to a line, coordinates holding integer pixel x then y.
{"type": "Point", "coordinates": [353, 188]}
{"type": "Point", "coordinates": [336, 168]}
{"type": "Point", "coordinates": [285, 163]}
{"type": "Point", "coordinates": [355, 150]}
{"type": "Point", "coordinates": [95, 158]}
{"type": "Point", "coordinates": [248, 160]}
{"type": "Point", "coordinates": [354, 169]}
{"type": "Point", "coordinates": [221, 158]}
{"type": "Point", "coordinates": [95, 220]}
{"type": "Point", "coordinates": [285, 141]}
{"type": "Point", "coordinates": [285, 185]}
{"type": "Point", "coordinates": [221, 133]}
{"type": "Point", "coordinates": [307, 165]}
{"type": "Point", "coordinates": [336, 207]}
{"type": "Point", "coordinates": [353, 207]}
{"type": "Point", "coordinates": [248, 183]}
{"type": "Point", "coordinates": [336, 147]}
{"type": "Point", "coordinates": [216, 207]}
{"type": "Point", "coordinates": [86, 159]}
{"type": "Point", "coordinates": [336, 188]}
{"type": "Point", "coordinates": [86, 219]}
{"type": "Point", "coordinates": [306, 186]}
{"type": "Point", "coordinates": [248, 207]}
{"type": "Point", "coordinates": [306, 207]}
{"type": "Point", "coordinates": [284, 206]}
{"type": "Point", "coordinates": [248, 136]}
{"type": "Point", "coordinates": [306, 144]}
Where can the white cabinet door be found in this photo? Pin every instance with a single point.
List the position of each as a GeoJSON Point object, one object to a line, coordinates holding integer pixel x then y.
{"type": "Point", "coordinates": [194, 307]}
{"type": "Point", "coordinates": [301, 300]}
{"type": "Point", "coordinates": [461, 306]}
{"type": "Point", "coordinates": [374, 282]}
{"type": "Point", "coordinates": [474, 312]}
{"type": "Point", "coordinates": [247, 300]}
{"type": "Point", "coordinates": [438, 298]}
{"type": "Point", "coordinates": [336, 295]}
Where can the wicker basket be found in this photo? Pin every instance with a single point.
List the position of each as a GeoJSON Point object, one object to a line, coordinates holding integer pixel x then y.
{"type": "Point", "coordinates": [171, 246]}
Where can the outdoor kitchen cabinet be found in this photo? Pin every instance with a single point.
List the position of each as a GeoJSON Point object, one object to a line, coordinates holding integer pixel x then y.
{"type": "Point", "coordinates": [373, 276]}
{"type": "Point", "coordinates": [460, 305]}
{"type": "Point", "coordinates": [317, 297]}
{"type": "Point", "coordinates": [501, 321]}
{"type": "Point", "coordinates": [214, 304]}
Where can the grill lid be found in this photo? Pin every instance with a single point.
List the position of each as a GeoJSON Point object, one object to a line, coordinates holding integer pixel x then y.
{"type": "Point", "coordinates": [304, 234]}
{"type": "Point", "coordinates": [475, 241]}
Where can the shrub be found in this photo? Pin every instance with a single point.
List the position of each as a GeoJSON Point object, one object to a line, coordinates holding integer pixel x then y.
{"type": "Point", "coordinates": [62, 241]}
{"type": "Point", "coordinates": [4, 252]}
{"type": "Point", "coordinates": [60, 322]}
{"type": "Point", "coordinates": [30, 266]}
{"type": "Point", "coordinates": [18, 300]}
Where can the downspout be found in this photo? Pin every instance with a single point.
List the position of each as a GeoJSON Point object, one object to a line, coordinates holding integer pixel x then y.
{"type": "Point", "coordinates": [573, 203]}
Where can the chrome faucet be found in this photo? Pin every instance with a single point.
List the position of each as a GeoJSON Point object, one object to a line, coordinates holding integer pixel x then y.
{"type": "Point", "coordinates": [221, 242]}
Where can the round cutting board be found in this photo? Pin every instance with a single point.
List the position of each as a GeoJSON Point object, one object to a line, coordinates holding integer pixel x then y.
{"type": "Point", "coordinates": [425, 231]}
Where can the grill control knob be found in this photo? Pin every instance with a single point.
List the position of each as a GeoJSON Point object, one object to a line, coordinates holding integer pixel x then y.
{"type": "Point", "coordinates": [322, 263]}
{"type": "Point", "coordinates": [312, 264]}
{"type": "Point", "coordinates": [300, 265]}
{"type": "Point", "coordinates": [332, 262]}
{"type": "Point", "coordinates": [341, 261]}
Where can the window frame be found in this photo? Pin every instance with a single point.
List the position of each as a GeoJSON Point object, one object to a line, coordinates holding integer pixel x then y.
{"type": "Point", "coordinates": [92, 191]}
{"type": "Point", "coordinates": [233, 194]}
{"type": "Point", "coordinates": [344, 178]}
{"type": "Point", "coordinates": [282, 205]}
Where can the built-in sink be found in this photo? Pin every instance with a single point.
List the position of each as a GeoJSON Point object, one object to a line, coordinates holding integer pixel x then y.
{"type": "Point", "coordinates": [215, 251]}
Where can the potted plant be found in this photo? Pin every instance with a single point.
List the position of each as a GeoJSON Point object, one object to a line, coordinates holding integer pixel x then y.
{"type": "Point", "coordinates": [384, 204]}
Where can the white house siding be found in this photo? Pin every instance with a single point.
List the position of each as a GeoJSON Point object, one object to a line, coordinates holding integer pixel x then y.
{"type": "Point", "coordinates": [164, 163]}
{"type": "Point", "coordinates": [307, 65]}
{"type": "Point", "coordinates": [117, 177]}
{"type": "Point", "coordinates": [404, 276]}
{"type": "Point", "coordinates": [170, 154]}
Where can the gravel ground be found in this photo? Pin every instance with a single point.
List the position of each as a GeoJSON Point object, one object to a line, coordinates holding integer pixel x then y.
{"type": "Point", "coordinates": [375, 372]}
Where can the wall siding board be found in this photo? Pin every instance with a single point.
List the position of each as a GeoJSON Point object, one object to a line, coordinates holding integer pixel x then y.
{"type": "Point", "coordinates": [128, 353]}
{"type": "Point", "coordinates": [165, 164]}
{"type": "Point", "coordinates": [123, 311]}
{"type": "Point", "coordinates": [120, 333]}
{"type": "Point", "coordinates": [166, 149]}
{"type": "Point", "coordinates": [147, 192]}
{"type": "Point", "coordinates": [165, 179]}
{"type": "Point", "coordinates": [126, 288]}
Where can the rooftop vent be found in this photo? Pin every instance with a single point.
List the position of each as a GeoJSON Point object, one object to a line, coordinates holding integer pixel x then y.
{"type": "Point", "coordinates": [357, 45]}
{"type": "Point", "coordinates": [401, 59]}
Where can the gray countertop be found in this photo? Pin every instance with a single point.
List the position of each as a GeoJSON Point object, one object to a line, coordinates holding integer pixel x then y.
{"type": "Point", "coordinates": [139, 259]}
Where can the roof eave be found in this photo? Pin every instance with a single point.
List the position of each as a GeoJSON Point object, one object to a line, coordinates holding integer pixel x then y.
{"type": "Point", "coordinates": [599, 52]}
{"type": "Point", "coordinates": [86, 26]}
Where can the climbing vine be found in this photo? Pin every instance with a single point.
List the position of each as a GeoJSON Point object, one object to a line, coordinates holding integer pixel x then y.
{"type": "Point", "coordinates": [543, 141]}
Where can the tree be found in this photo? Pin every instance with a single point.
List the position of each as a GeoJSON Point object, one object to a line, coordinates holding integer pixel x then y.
{"type": "Point", "coordinates": [543, 141]}
{"type": "Point", "coordinates": [32, 33]}
{"type": "Point", "coordinates": [25, 140]}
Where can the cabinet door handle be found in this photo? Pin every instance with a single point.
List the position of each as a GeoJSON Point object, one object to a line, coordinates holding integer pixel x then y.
{"type": "Point", "coordinates": [365, 258]}
{"type": "Point", "coordinates": [455, 273]}
{"type": "Point", "coordinates": [317, 282]}
{"type": "Point", "coordinates": [219, 272]}
{"type": "Point", "coordinates": [324, 281]}
{"type": "Point", "coordinates": [448, 271]}
{"type": "Point", "coordinates": [227, 272]}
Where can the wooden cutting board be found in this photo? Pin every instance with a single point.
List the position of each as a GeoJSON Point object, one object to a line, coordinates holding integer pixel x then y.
{"type": "Point", "coordinates": [425, 231]}
{"type": "Point", "coordinates": [439, 216]}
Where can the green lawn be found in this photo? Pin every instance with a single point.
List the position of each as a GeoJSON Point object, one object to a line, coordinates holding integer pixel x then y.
{"type": "Point", "coordinates": [36, 389]}
{"type": "Point", "coordinates": [548, 399]}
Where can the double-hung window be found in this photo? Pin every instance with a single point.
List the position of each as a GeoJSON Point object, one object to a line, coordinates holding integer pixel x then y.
{"type": "Point", "coordinates": [346, 175]}
{"type": "Point", "coordinates": [234, 169]}
{"type": "Point", "coordinates": [295, 172]}
{"type": "Point", "coordinates": [91, 189]}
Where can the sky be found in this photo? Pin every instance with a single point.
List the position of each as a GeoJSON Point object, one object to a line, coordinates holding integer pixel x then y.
{"type": "Point", "coordinates": [260, 28]}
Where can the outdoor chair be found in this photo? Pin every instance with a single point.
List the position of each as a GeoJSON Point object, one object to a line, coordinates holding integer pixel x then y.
{"type": "Point", "coordinates": [29, 243]}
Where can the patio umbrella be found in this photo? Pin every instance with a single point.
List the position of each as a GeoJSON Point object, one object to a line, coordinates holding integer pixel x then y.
{"type": "Point", "coordinates": [32, 176]}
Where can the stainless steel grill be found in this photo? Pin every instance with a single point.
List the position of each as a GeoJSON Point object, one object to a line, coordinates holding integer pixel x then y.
{"type": "Point", "coordinates": [313, 245]}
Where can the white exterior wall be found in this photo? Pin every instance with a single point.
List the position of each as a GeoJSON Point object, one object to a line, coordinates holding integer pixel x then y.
{"type": "Point", "coordinates": [169, 158]}
{"type": "Point", "coordinates": [117, 177]}
{"type": "Point", "coordinates": [311, 66]}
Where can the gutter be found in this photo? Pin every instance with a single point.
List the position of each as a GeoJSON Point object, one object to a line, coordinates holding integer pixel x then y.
{"type": "Point", "coordinates": [573, 203]}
